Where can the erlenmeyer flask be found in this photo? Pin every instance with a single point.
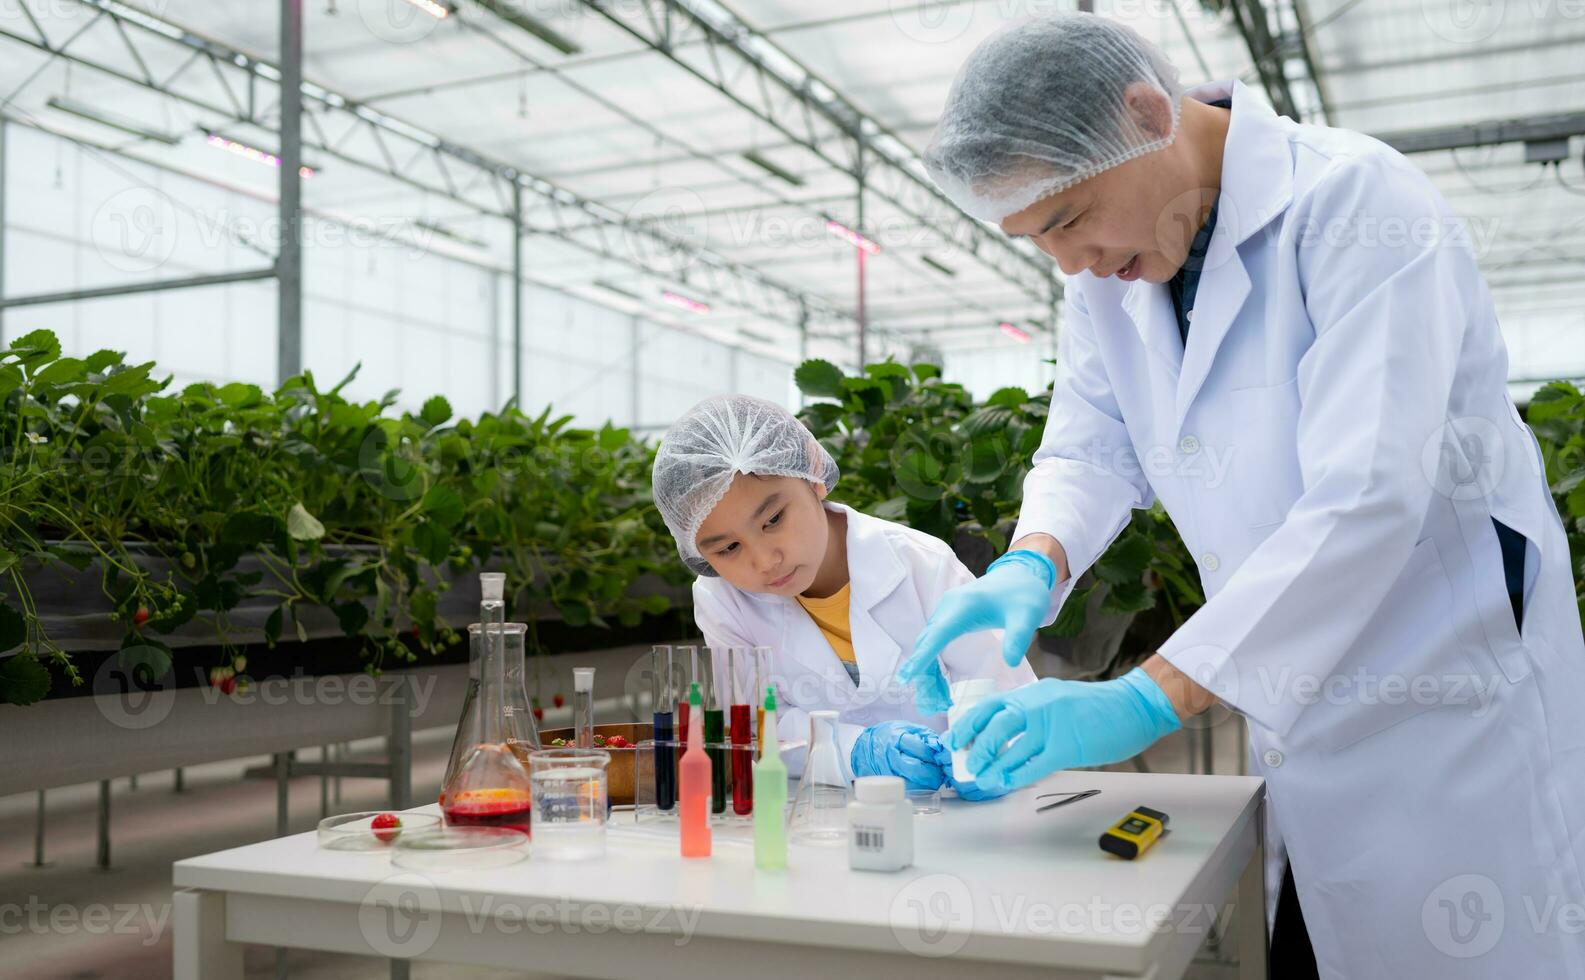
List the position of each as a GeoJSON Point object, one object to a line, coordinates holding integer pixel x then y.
{"type": "Point", "coordinates": [522, 732]}
{"type": "Point", "coordinates": [820, 809]}
{"type": "Point", "coordinates": [463, 740]}
{"type": "Point", "coordinates": [490, 787]}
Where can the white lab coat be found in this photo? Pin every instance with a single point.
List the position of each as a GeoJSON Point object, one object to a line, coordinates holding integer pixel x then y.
{"type": "Point", "coordinates": [1332, 446]}
{"type": "Point", "coordinates": [898, 574]}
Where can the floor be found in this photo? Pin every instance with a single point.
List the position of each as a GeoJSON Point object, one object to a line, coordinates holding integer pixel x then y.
{"type": "Point", "coordinates": [70, 921]}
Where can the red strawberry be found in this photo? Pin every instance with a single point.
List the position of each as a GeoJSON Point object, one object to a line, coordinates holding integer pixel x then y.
{"type": "Point", "coordinates": [558, 700]}
{"type": "Point", "coordinates": [141, 616]}
{"type": "Point", "coordinates": [539, 713]}
{"type": "Point", "coordinates": [228, 685]}
{"type": "Point", "coordinates": [618, 742]}
{"type": "Point", "coordinates": [386, 826]}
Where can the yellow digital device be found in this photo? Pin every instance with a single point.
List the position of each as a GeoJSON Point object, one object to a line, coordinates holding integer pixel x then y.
{"type": "Point", "coordinates": [1129, 837]}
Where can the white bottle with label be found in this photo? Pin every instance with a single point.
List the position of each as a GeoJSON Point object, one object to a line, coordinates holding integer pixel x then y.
{"type": "Point", "coordinates": [880, 825]}
{"type": "Point", "coordinates": [965, 695]}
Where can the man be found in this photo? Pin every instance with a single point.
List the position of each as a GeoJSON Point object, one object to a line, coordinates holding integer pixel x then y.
{"type": "Point", "coordinates": [1280, 332]}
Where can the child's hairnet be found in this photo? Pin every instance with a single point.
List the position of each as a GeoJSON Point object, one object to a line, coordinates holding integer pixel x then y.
{"type": "Point", "coordinates": [719, 438]}
{"type": "Point", "coordinates": [1039, 107]}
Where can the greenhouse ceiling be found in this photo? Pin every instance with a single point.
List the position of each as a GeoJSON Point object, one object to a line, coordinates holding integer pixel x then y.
{"type": "Point", "coordinates": [712, 151]}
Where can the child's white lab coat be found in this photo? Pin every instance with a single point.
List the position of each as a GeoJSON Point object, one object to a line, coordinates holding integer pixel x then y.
{"type": "Point", "coordinates": [897, 574]}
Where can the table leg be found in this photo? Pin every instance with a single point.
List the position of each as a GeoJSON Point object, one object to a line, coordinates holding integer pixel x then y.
{"type": "Point", "coordinates": [200, 950]}
{"type": "Point", "coordinates": [1254, 948]}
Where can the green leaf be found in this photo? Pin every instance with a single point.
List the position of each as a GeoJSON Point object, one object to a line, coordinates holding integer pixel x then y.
{"type": "Point", "coordinates": [302, 525]}
{"type": "Point", "coordinates": [23, 680]}
{"type": "Point", "coordinates": [64, 371]}
{"type": "Point", "coordinates": [352, 616]}
{"type": "Point", "coordinates": [432, 541]}
{"type": "Point", "coordinates": [247, 529]}
{"type": "Point", "coordinates": [1008, 398]}
{"type": "Point", "coordinates": [893, 509]}
{"type": "Point", "coordinates": [924, 372]}
{"type": "Point", "coordinates": [1124, 598]}
{"type": "Point", "coordinates": [1125, 561]}
{"type": "Point", "coordinates": [819, 379]}
{"type": "Point", "coordinates": [443, 505]}
{"type": "Point", "coordinates": [436, 411]}
{"type": "Point", "coordinates": [13, 627]}
{"type": "Point", "coordinates": [102, 360]}
{"type": "Point", "coordinates": [272, 626]}
{"type": "Point", "coordinates": [919, 476]}
{"type": "Point", "coordinates": [140, 652]}
{"type": "Point", "coordinates": [1071, 618]}
{"type": "Point", "coordinates": [7, 559]}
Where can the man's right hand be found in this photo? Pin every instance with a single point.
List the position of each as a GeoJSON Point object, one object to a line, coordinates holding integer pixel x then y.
{"type": "Point", "coordinates": [1012, 596]}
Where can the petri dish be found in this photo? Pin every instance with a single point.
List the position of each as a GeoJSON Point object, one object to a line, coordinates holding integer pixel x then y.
{"type": "Point", "coordinates": [460, 849]}
{"type": "Point", "coordinates": [355, 832]}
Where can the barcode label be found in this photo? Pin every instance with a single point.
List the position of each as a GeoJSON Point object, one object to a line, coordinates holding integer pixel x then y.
{"type": "Point", "coordinates": [869, 838]}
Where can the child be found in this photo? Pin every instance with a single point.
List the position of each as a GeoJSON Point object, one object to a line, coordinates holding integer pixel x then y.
{"type": "Point", "coordinates": [838, 596]}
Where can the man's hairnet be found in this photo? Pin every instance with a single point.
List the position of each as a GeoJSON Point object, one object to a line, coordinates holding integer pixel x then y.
{"type": "Point", "coordinates": [1039, 107]}
{"type": "Point", "coordinates": [719, 438]}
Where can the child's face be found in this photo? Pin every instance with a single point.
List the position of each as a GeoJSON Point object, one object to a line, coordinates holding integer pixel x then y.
{"type": "Point", "coordinates": [768, 534]}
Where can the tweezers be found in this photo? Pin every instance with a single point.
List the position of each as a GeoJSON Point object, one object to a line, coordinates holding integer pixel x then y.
{"type": "Point", "coordinates": [1072, 797]}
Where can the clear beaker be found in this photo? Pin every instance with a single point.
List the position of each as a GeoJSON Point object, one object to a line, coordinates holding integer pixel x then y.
{"type": "Point", "coordinates": [819, 814]}
{"type": "Point", "coordinates": [570, 804]}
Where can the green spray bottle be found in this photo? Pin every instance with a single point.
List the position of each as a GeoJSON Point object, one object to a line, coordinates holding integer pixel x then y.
{"type": "Point", "coordinates": [770, 795]}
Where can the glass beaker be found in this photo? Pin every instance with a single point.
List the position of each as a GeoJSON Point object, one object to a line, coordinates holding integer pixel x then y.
{"type": "Point", "coordinates": [570, 803]}
{"type": "Point", "coordinates": [490, 787]}
{"type": "Point", "coordinates": [819, 813]}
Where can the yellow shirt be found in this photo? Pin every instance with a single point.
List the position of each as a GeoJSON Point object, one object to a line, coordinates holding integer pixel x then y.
{"type": "Point", "coordinates": [831, 615]}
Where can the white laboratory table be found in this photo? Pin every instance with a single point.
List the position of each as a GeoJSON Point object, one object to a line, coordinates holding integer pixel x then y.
{"type": "Point", "coordinates": [997, 890]}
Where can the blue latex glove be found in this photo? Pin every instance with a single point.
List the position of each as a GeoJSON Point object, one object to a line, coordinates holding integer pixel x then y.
{"type": "Point", "coordinates": [1063, 725]}
{"type": "Point", "coordinates": [897, 748]}
{"type": "Point", "coordinates": [974, 791]}
{"type": "Point", "coordinates": [1012, 595]}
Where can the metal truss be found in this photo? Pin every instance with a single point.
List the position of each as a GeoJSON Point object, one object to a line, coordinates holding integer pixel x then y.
{"type": "Point", "coordinates": [239, 88]}
{"type": "Point", "coordinates": [1276, 32]}
{"type": "Point", "coordinates": [712, 44]}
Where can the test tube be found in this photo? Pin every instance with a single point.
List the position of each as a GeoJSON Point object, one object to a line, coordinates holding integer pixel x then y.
{"type": "Point", "coordinates": [660, 660]}
{"type": "Point", "coordinates": [762, 680]}
{"type": "Point", "coordinates": [583, 706]}
{"type": "Point", "coordinates": [740, 672]}
{"type": "Point", "coordinates": [714, 731]}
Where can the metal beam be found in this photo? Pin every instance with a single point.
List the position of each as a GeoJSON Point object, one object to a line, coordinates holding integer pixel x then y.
{"type": "Point", "coordinates": [748, 69]}
{"type": "Point", "coordinates": [1249, 17]}
{"type": "Point", "coordinates": [340, 128]}
{"type": "Point", "coordinates": [4, 125]}
{"type": "Point", "coordinates": [103, 292]}
{"type": "Point", "coordinates": [289, 264]}
{"type": "Point", "coordinates": [1490, 133]}
{"type": "Point", "coordinates": [517, 296]}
